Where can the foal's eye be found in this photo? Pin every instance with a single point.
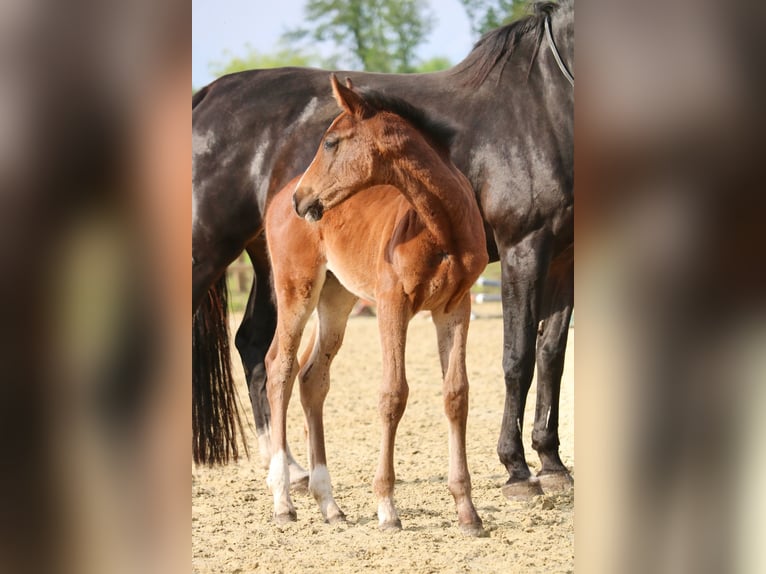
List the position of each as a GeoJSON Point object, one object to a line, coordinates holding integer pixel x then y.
{"type": "Point", "coordinates": [330, 144]}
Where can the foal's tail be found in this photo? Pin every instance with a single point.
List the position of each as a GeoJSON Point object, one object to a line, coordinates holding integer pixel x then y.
{"type": "Point", "coordinates": [215, 416]}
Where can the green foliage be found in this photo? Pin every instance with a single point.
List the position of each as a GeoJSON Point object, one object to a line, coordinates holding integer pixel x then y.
{"type": "Point", "coordinates": [376, 35]}
{"type": "Point", "coordinates": [284, 56]}
{"type": "Point", "coordinates": [486, 15]}
{"type": "Point", "coordinates": [433, 64]}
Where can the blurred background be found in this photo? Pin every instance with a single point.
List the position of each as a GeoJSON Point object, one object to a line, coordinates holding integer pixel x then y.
{"type": "Point", "coordinates": [95, 274]}
{"type": "Point", "coordinates": [372, 35]}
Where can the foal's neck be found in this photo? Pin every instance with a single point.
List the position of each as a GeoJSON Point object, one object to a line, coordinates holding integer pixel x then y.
{"type": "Point", "coordinates": [439, 193]}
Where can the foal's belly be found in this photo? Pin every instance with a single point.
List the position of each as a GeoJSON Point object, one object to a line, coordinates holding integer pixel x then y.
{"type": "Point", "coordinates": [352, 276]}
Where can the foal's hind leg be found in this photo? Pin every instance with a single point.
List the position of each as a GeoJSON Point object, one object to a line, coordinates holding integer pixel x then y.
{"type": "Point", "coordinates": [452, 330]}
{"type": "Point", "coordinates": [253, 338]}
{"type": "Point", "coordinates": [393, 317]}
{"type": "Point", "coordinates": [296, 297]}
{"type": "Point", "coordinates": [335, 304]}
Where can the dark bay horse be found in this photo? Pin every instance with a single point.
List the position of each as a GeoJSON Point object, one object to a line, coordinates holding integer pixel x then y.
{"type": "Point", "coordinates": [511, 102]}
{"type": "Point", "coordinates": [386, 216]}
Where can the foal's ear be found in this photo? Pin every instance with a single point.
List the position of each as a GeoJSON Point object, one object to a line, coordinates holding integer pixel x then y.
{"type": "Point", "coordinates": [349, 100]}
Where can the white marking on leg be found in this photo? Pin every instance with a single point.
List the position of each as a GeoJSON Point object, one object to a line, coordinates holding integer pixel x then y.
{"type": "Point", "coordinates": [320, 487]}
{"type": "Point", "coordinates": [319, 483]}
{"type": "Point", "coordinates": [518, 424]}
{"type": "Point", "coordinates": [264, 445]}
{"type": "Point", "coordinates": [548, 418]}
{"type": "Point", "coordinates": [387, 511]}
{"type": "Point", "coordinates": [279, 483]}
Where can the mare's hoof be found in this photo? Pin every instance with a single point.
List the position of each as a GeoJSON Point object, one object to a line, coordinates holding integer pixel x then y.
{"type": "Point", "coordinates": [522, 489]}
{"type": "Point", "coordinates": [286, 518]}
{"type": "Point", "coordinates": [339, 518]}
{"type": "Point", "coordinates": [391, 526]}
{"type": "Point", "coordinates": [300, 484]}
{"type": "Point", "coordinates": [556, 481]}
{"type": "Point", "coordinates": [474, 529]}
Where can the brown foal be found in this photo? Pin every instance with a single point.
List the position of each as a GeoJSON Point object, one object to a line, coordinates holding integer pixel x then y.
{"type": "Point", "coordinates": [384, 215]}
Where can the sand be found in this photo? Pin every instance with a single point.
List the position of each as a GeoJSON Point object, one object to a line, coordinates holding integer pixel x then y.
{"type": "Point", "coordinates": [232, 529]}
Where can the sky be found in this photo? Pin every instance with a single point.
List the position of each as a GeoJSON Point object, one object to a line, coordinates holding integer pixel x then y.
{"type": "Point", "coordinates": [219, 26]}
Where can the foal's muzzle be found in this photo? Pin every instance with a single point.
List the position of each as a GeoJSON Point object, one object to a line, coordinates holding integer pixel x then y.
{"type": "Point", "coordinates": [309, 208]}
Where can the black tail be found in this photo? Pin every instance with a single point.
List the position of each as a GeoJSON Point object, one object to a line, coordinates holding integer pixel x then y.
{"type": "Point", "coordinates": [215, 416]}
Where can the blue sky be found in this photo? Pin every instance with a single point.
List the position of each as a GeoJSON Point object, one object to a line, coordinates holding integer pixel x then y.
{"type": "Point", "coordinates": [219, 26]}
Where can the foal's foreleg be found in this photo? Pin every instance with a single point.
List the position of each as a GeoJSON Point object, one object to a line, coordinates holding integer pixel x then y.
{"type": "Point", "coordinates": [392, 322]}
{"type": "Point", "coordinates": [335, 304]}
{"type": "Point", "coordinates": [452, 331]}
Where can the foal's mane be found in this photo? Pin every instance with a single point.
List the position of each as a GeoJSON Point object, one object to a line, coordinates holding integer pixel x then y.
{"type": "Point", "coordinates": [439, 133]}
{"type": "Point", "coordinates": [497, 46]}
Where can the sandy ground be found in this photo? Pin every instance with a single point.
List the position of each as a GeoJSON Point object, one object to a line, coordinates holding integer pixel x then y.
{"type": "Point", "coordinates": [232, 530]}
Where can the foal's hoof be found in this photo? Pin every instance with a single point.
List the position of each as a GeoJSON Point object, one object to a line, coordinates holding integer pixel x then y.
{"type": "Point", "coordinates": [285, 518]}
{"type": "Point", "coordinates": [474, 529]}
{"type": "Point", "coordinates": [391, 526]}
{"type": "Point", "coordinates": [522, 489]}
{"type": "Point", "coordinates": [556, 481]}
{"type": "Point", "coordinates": [339, 518]}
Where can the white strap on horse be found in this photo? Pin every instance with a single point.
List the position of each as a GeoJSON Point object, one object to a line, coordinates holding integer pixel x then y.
{"type": "Point", "coordinates": [562, 66]}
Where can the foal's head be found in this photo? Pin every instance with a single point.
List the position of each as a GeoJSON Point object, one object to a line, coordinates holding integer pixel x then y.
{"type": "Point", "coordinates": [361, 147]}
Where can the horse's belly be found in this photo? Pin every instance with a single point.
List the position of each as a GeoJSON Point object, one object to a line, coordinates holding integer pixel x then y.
{"type": "Point", "coordinates": [353, 277]}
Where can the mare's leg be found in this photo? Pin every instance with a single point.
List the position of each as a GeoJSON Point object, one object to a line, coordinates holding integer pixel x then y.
{"type": "Point", "coordinates": [335, 304]}
{"type": "Point", "coordinates": [297, 297]}
{"type": "Point", "coordinates": [551, 348]}
{"type": "Point", "coordinates": [393, 316]}
{"type": "Point", "coordinates": [524, 266]}
{"type": "Point", "coordinates": [253, 339]}
{"type": "Point", "coordinates": [452, 330]}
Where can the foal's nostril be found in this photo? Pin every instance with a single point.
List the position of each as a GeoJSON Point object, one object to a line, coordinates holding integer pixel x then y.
{"type": "Point", "coordinates": [307, 207]}
{"type": "Point", "coordinates": [315, 211]}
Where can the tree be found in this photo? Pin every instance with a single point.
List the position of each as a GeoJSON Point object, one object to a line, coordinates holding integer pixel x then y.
{"type": "Point", "coordinates": [485, 15]}
{"type": "Point", "coordinates": [284, 56]}
{"type": "Point", "coordinates": [376, 35]}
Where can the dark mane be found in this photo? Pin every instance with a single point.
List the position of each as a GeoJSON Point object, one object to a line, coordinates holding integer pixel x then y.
{"type": "Point", "coordinates": [497, 46]}
{"type": "Point", "coordinates": [438, 132]}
